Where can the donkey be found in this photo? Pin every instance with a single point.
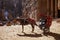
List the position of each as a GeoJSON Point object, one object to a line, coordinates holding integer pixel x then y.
{"type": "Point", "coordinates": [24, 21]}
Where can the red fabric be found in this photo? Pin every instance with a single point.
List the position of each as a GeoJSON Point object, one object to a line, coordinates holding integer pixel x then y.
{"type": "Point", "coordinates": [49, 21]}
{"type": "Point", "coordinates": [32, 21]}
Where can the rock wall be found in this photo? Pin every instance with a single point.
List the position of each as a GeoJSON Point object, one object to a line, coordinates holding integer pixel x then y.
{"type": "Point", "coordinates": [30, 8]}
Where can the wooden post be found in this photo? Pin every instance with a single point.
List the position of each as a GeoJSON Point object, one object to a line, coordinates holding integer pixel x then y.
{"type": "Point", "coordinates": [47, 7]}
{"type": "Point", "coordinates": [52, 8]}
{"type": "Point", "coordinates": [56, 8]}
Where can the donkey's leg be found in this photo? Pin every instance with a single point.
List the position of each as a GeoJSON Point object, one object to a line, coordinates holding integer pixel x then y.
{"type": "Point", "coordinates": [22, 28]}
{"type": "Point", "coordinates": [32, 28]}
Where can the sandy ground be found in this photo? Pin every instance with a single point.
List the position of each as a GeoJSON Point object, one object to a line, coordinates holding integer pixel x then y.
{"type": "Point", "coordinates": [14, 32]}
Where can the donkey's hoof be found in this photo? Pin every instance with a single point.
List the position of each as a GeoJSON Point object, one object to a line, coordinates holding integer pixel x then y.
{"type": "Point", "coordinates": [23, 32]}
{"type": "Point", "coordinates": [32, 31]}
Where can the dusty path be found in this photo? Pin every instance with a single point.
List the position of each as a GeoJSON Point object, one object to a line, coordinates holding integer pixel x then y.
{"type": "Point", "coordinates": [11, 33]}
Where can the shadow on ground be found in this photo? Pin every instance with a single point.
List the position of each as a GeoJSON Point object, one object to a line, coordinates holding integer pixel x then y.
{"type": "Point", "coordinates": [30, 35]}
{"type": "Point", "coordinates": [56, 36]}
